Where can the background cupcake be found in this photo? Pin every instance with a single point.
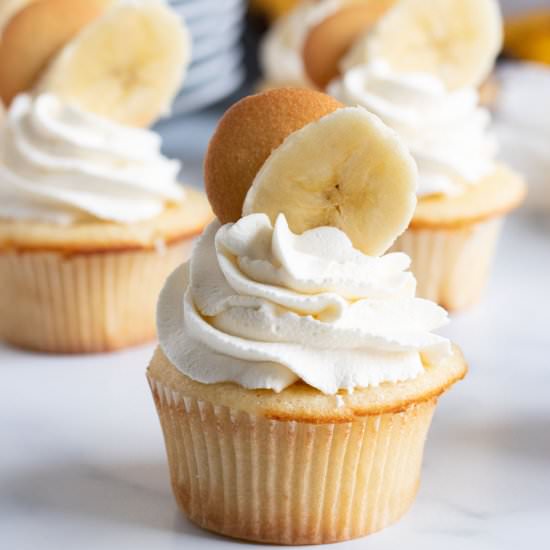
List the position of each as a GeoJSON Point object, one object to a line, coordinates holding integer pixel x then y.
{"type": "Point", "coordinates": [424, 86]}
{"type": "Point", "coordinates": [293, 353]}
{"type": "Point", "coordinates": [92, 218]}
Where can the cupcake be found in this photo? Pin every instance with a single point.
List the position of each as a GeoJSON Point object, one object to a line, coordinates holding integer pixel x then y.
{"type": "Point", "coordinates": [297, 372]}
{"type": "Point", "coordinates": [427, 92]}
{"type": "Point", "coordinates": [92, 218]}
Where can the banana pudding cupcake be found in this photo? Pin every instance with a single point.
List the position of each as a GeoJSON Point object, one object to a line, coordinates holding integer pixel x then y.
{"type": "Point", "coordinates": [297, 372]}
{"type": "Point", "coordinates": [92, 218]}
{"type": "Point", "coordinates": [426, 89]}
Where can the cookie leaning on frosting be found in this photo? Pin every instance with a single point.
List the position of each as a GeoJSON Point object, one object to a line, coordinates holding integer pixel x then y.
{"type": "Point", "coordinates": [290, 343]}
{"type": "Point", "coordinates": [328, 41]}
{"type": "Point", "coordinates": [281, 48]}
{"type": "Point", "coordinates": [245, 137]}
{"type": "Point", "coordinates": [92, 217]}
{"type": "Point", "coordinates": [8, 8]}
{"type": "Point", "coordinates": [35, 34]}
{"type": "Point", "coordinates": [414, 34]}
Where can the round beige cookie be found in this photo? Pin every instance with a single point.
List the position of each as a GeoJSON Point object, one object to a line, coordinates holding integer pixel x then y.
{"type": "Point", "coordinates": [33, 36]}
{"type": "Point", "coordinates": [245, 137]}
{"type": "Point", "coordinates": [328, 41]}
{"type": "Point", "coordinates": [496, 195]}
{"type": "Point", "coordinates": [8, 9]}
{"type": "Point", "coordinates": [175, 223]}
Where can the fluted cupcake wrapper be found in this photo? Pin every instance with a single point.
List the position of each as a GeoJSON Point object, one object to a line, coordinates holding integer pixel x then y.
{"type": "Point", "coordinates": [83, 303]}
{"type": "Point", "coordinates": [290, 482]}
{"type": "Point", "coordinates": [451, 266]}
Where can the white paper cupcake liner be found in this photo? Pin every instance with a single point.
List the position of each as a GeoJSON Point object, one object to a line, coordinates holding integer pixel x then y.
{"type": "Point", "coordinates": [83, 303]}
{"type": "Point", "coordinates": [290, 482]}
{"type": "Point", "coordinates": [451, 266]}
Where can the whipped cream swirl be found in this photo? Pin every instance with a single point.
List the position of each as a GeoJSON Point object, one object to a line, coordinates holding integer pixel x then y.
{"type": "Point", "coordinates": [281, 49]}
{"type": "Point", "coordinates": [262, 307]}
{"type": "Point", "coordinates": [446, 132]}
{"type": "Point", "coordinates": [60, 164]}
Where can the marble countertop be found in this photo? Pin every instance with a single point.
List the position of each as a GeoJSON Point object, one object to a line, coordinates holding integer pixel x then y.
{"type": "Point", "coordinates": [82, 463]}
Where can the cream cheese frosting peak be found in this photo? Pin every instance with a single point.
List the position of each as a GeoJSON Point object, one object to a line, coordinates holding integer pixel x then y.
{"type": "Point", "coordinates": [446, 131]}
{"type": "Point", "coordinates": [263, 307]}
{"type": "Point", "coordinates": [61, 164]}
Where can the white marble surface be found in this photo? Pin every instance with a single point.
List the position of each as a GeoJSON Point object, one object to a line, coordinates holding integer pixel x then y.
{"type": "Point", "coordinates": [82, 463]}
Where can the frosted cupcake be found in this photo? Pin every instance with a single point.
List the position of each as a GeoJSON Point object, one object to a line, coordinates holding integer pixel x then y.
{"type": "Point", "coordinates": [92, 220]}
{"type": "Point", "coordinates": [297, 373]}
{"type": "Point", "coordinates": [430, 98]}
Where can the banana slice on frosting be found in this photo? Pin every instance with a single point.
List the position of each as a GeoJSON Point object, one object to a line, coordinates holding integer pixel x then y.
{"type": "Point", "coordinates": [346, 170]}
{"type": "Point", "coordinates": [301, 153]}
{"type": "Point", "coordinates": [458, 40]}
{"type": "Point", "coordinates": [127, 65]}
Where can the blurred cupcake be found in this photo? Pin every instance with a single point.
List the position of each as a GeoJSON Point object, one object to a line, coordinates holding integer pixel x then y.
{"type": "Point", "coordinates": [426, 91]}
{"type": "Point", "coordinates": [297, 373]}
{"type": "Point", "coordinates": [92, 218]}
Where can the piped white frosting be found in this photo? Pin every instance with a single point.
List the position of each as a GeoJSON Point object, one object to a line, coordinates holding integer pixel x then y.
{"type": "Point", "coordinates": [262, 307]}
{"type": "Point", "coordinates": [60, 164]}
{"type": "Point", "coordinates": [446, 132]}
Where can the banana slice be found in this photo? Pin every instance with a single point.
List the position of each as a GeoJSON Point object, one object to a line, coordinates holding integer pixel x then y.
{"type": "Point", "coordinates": [127, 65]}
{"type": "Point", "coordinates": [456, 40]}
{"type": "Point", "coordinates": [346, 170]}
